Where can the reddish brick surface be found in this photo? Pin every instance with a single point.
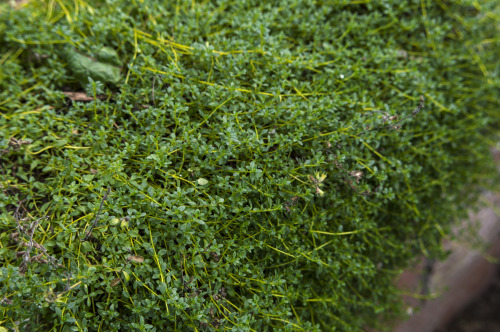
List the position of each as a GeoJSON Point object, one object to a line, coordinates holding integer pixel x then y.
{"type": "Point", "coordinates": [455, 282]}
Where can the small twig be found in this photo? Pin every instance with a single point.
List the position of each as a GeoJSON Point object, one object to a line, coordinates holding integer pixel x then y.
{"type": "Point", "coordinates": [32, 232]}
{"type": "Point", "coordinates": [126, 262]}
{"type": "Point", "coordinates": [415, 112]}
{"type": "Point", "coordinates": [17, 216]}
{"type": "Point", "coordinates": [14, 144]}
{"type": "Point", "coordinates": [291, 203]}
{"type": "Point", "coordinates": [32, 243]}
{"type": "Point", "coordinates": [426, 277]}
{"type": "Point", "coordinates": [182, 276]}
{"type": "Point", "coordinates": [97, 216]}
{"type": "Point", "coordinates": [154, 79]}
{"type": "Point", "coordinates": [17, 143]}
{"type": "Point", "coordinates": [122, 268]}
{"type": "Point", "coordinates": [68, 285]}
{"type": "Point", "coordinates": [29, 246]}
{"type": "Point", "coordinates": [394, 126]}
{"type": "Point", "coordinates": [42, 248]}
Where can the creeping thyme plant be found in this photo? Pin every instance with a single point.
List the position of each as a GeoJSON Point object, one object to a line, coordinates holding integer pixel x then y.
{"type": "Point", "coordinates": [235, 165]}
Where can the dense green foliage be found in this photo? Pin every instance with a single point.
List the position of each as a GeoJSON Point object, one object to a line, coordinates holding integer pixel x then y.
{"type": "Point", "coordinates": [255, 179]}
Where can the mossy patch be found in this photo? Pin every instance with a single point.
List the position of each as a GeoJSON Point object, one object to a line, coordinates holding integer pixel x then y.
{"type": "Point", "coordinates": [243, 165]}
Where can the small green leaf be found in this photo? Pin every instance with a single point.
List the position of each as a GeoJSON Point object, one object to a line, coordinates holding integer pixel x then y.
{"type": "Point", "coordinates": [86, 247]}
{"type": "Point", "coordinates": [133, 233]}
{"type": "Point", "coordinates": [84, 67]}
{"type": "Point", "coordinates": [109, 56]}
{"type": "Point", "coordinates": [202, 181]}
{"type": "Point", "coordinates": [88, 177]}
{"type": "Point", "coordinates": [114, 221]}
{"type": "Point", "coordinates": [126, 275]}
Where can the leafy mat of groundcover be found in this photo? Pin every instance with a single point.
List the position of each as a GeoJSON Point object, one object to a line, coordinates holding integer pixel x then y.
{"type": "Point", "coordinates": [245, 165]}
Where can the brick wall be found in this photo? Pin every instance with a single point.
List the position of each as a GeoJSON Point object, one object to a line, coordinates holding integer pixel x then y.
{"type": "Point", "coordinates": [452, 284]}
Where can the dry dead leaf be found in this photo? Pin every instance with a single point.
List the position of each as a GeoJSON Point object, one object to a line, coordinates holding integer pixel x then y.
{"type": "Point", "coordinates": [357, 174]}
{"type": "Point", "coordinates": [81, 96]}
{"type": "Point", "coordinates": [136, 259]}
{"type": "Point", "coordinates": [115, 282]}
{"type": "Point", "coordinates": [17, 143]}
{"type": "Point", "coordinates": [78, 96]}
